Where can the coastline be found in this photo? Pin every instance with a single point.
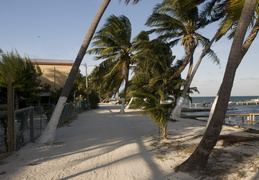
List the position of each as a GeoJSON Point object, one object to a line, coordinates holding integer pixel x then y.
{"type": "Point", "coordinates": [235, 109]}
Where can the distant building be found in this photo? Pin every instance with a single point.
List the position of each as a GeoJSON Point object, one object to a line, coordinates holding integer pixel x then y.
{"type": "Point", "coordinates": [54, 72]}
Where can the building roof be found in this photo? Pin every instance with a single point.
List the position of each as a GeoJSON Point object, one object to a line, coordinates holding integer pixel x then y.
{"type": "Point", "coordinates": [52, 62]}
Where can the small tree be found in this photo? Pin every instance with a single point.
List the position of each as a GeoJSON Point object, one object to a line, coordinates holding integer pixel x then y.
{"type": "Point", "coordinates": [25, 77]}
{"type": "Point", "coordinates": [160, 113]}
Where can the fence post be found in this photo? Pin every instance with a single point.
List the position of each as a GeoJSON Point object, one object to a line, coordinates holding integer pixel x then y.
{"type": "Point", "coordinates": [10, 113]}
{"type": "Point", "coordinates": [32, 124]}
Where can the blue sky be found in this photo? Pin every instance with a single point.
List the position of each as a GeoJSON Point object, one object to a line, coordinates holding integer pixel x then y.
{"type": "Point", "coordinates": [54, 29]}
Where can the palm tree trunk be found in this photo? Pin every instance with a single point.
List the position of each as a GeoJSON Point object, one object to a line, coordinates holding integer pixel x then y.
{"type": "Point", "coordinates": [249, 40]}
{"type": "Point", "coordinates": [178, 108]}
{"type": "Point", "coordinates": [130, 102]}
{"type": "Point", "coordinates": [199, 157]}
{"type": "Point", "coordinates": [123, 104]}
{"type": "Point", "coordinates": [164, 129]}
{"type": "Point", "coordinates": [49, 133]}
{"type": "Point", "coordinates": [182, 67]}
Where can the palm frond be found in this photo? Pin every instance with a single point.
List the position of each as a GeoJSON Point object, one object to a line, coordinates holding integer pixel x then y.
{"type": "Point", "coordinates": [133, 1]}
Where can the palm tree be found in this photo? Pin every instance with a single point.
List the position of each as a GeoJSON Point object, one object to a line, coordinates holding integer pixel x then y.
{"type": "Point", "coordinates": [152, 82]}
{"type": "Point", "coordinates": [113, 44]}
{"type": "Point", "coordinates": [199, 157]}
{"type": "Point", "coordinates": [98, 84]}
{"type": "Point", "coordinates": [231, 12]}
{"type": "Point", "coordinates": [160, 113]}
{"type": "Point", "coordinates": [155, 58]}
{"type": "Point", "coordinates": [49, 133]}
{"type": "Point", "coordinates": [175, 25]}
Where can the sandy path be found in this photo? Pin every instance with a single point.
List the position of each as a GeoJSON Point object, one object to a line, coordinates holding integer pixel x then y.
{"type": "Point", "coordinates": [100, 145]}
{"type": "Point", "coordinates": [105, 145]}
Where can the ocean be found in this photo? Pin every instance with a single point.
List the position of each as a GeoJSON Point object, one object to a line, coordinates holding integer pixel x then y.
{"type": "Point", "coordinates": [232, 109]}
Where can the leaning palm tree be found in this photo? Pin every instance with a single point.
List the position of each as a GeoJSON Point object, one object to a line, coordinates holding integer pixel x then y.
{"type": "Point", "coordinates": [199, 157]}
{"type": "Point", "coordinates": [113, 44]}
{"type": "Point", "coordinates": [155, 65]}
{"type": "Point", "coordinates": [176, 23]}
{"type": "Point", "coordinates": [231, 13]}
{"type": "Point", "coordinates": [98, 83]}
{"type": "Point", "coordinates": [49, 133]}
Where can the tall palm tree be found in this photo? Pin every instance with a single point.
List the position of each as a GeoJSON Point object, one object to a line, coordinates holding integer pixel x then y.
{"type": "Point", "coordinates": [49, 133]}
{"type": "Point", "coordinates": [99, 84]}
{"type": "Point", "coordinates": [113, 44]}
{"type": "Point", "coordinates": [199, 157]}
{"type": "Point", "coordinates": [175, 25]}
{"type": "Point", "coordinates": [152, 82]}
{"type": "Point", "coordinates": [156, 64]}
{"type": "Point", "coordinates": [179, 21]}
{"type": "Point", "coordinates": [230, 11]}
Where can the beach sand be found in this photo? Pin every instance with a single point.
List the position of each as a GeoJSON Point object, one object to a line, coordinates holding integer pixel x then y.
{"type": "Point", "coordinates": [102, 144]}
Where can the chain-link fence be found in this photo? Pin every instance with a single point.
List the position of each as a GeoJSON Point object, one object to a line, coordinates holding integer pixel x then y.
{"type": "Point", "coordinates": [28, 125]}
{"type": "Point", "coordinates": [3, 132]}
{"type": "Point", "coordinates": [30, 122]}
{"type": "Point", "coordinates": [71, 110]}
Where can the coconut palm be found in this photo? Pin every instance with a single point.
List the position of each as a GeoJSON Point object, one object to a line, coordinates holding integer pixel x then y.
{"type": "Point", "coordinates": [199, 158]}
{"type": "Point", "coordinates": [113, 44]}
{"type": "Point", "coordinates": [49, 133]}
{"type": "Point", "coordinates": [152, 82]}
{"type": "Point", "coordinates": [179, 21]}
{"type": "Point", "coordinates": [155, 65]}
{"type": "Point", "coordinates": [175, 25]}
{"type": "Point", "coordinates": [230, 11]}
{"type": "Point", "coordinates": [98, 84]}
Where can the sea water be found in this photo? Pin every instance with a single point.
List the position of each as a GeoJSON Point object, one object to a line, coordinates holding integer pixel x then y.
{"type": "Point", "coordinates": [232, 109]}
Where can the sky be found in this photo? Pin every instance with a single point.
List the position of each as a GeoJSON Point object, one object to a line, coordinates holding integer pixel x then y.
{"type": "Point", "coordinates": [54, 29]}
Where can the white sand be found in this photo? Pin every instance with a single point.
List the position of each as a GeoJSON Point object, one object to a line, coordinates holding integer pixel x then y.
{"type": "Point", "coordinates": [105, 145]}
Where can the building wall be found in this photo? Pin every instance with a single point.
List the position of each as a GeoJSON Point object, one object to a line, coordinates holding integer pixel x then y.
{"type": "Point", "coordinates": [54, 72]}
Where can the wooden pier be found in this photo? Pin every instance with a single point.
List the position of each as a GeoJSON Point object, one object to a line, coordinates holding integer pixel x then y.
{"type": "Point", "coordinates": [200, 104]}
{"type": "Point", "coordinates": [244, 103]}
{"type": "Point", "coordinates": [240, 103]}
{"type": "Point", "coordinates": [249, 116]}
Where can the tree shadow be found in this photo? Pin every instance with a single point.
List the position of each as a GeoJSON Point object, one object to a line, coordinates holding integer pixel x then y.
{"type": "Point", "coordinates": [232, 155]}
{"type": "Point", "coordinates": [90, 138]}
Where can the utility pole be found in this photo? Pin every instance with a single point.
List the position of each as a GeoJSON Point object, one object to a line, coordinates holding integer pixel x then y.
{"type": "Point", "coordinates": [10, 112]}
{"type": "Point", "coordinates": [87, 87]}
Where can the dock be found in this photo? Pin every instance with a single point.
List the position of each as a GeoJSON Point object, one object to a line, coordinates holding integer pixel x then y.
{"type": "Point", "coordinates": [249, 116]}
{"type": "Point", "coordinates": [239, 103]}
{"type": "Point", "coordinates": [244, 103]}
